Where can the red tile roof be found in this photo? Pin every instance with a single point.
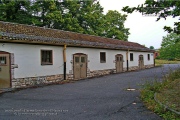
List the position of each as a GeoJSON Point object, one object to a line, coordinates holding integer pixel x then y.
{"type": "Point", "coordinates": [12, 32]}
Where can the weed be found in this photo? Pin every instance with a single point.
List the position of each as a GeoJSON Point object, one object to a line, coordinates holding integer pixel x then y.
{"type": "Point", "coordinates": [167, 92]}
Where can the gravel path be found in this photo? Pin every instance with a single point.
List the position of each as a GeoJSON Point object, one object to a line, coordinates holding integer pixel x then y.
{"type": "Point", "coordinates": [103, 98]}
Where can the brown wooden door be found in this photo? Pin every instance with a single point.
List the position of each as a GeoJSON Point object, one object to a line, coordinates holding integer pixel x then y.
{"type": "Point", "coordinates": [80, 66]}
{"type": "Point", "coordinates": [119, 63]}
{"type": "Point", "coordinates": [4, 70]}
{"type": "Point", "coordinates": [141, 62]}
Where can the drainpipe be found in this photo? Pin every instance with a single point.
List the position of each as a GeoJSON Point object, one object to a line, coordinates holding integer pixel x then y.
{"type": "Point", "coordinates": [64, 57]}
{"type": "Point", "coordinates": [127, 59]}
{"type": "Point", "coordinates": [154, 59]}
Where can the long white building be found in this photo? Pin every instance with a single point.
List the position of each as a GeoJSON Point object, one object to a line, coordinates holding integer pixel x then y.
{"type": "Point", "coordinates": [31, 55]}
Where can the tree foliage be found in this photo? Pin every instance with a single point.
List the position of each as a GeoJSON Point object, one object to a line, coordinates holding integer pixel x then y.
{"type": "Point", "coordinates": [82, 16]}
{"type": "Point", "coordinates": [151, 47]}
{"type": "Point", "coordinates": [170, 47]}
{"type": "Point", "coordinates": [160, 8]}
{"type": "Point", "coordinates": [115, 22]}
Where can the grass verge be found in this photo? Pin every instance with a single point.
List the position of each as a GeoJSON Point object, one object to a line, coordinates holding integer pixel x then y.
{"type": "Point", "coordinates": [161, 62]}
{"type": "Point", "coordinates": [168, 92]}
{"type": "Point", "coordinates": [170, 95]}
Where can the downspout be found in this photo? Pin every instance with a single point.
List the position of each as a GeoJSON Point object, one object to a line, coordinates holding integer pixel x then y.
{"type": "Point", "coordinates": [64, 58]}
{"type": "Point", "coordinates": [154, 59]}
{"type": "Point", "coordinates": [127, 53]}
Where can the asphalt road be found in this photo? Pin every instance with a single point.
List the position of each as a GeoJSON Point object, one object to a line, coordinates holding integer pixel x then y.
{"type": "Point", "coordinates": [103, 98]}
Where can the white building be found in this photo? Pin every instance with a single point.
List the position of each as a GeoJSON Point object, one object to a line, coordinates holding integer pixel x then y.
{"type": "Point", "coordinates": [32, 55]}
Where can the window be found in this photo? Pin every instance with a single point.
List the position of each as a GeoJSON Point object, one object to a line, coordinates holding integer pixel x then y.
{"type": "Point", "coordinates": [83, 59]}
{"type": "Point", "coordinates": [77, 59]}
{"type": "Point", "coordinates": [3, 60]}
{"type": "Point", "coordinates": [102, 57]}
{"type": "Point", "coordinates": [148, 56]}
{"type": "Point", "coordinates": [131, 56]}
{"type": "Point", "coordinates": [46, 57]}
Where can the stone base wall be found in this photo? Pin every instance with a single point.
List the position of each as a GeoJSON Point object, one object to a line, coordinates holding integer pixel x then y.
{"type": "Point", "coordinates": [34, 81]}
{"type": "Point", "coordinates": [133, 68]}
{"type": "Point", "coordinates": [149, 66]}
{"type": "Point", "coordinates": [42, 80]}
{"type": "Point", "coordinates": [100, 72]}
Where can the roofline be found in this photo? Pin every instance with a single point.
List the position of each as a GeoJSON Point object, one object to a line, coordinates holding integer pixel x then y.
{"type": "Point", "coordinates": [33, 39]}
{"type": "Point", "coordinates": [62, 44]}
{"type": "Point", "coordinates": [67, 31]}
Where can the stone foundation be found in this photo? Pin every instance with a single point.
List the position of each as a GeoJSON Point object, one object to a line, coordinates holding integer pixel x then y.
{"type": "Point", "coordinates": [34, 81]}
{"type": "Point", "coordinates": [149, 66]}
{"type": "Point", "coordinates": [133, 68]}
{"type": "Point", "coordinates": [100, 72]}
{"type": "Point", "coordinates": [42, 80]}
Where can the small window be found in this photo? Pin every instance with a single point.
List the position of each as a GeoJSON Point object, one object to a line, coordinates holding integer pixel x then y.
{"type": "Point", "coordinates": [83, 59]}
{"type": "Point", "coordinates": [77, 59]}
{"type": "Point", "coordinates": [117, 58]}
{"type": "Point", "coordinates": [148, 56]}
{"type": "Point", "coordinates": [102, 57]}
{"type": "Point", "coordinates": [46, 57]}
{"type": "Point", "coordinates": [3, 60]}
{"type": "Point", "coordinates": [120, 59]}
{"type": "Point", "coordinates": [131, 56]}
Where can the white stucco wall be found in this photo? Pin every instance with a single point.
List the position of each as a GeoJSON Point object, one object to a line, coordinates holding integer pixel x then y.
{"type": "Point", "coordinates": [94, 57]}
{"type": "Point", "coordinates": [28, 59]}
{"type": "Point", "coordinates": [135, 61]}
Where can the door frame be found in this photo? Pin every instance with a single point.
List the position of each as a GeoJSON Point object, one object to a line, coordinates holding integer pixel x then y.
{"type": "Point", "coordinates": [122, 61]}
{"type": "Point", "coordinates": [86, 62]}
{"type": "Point", "coordinates": [141, 67]}
{"type": "Point", "coordinates": [4, 52]}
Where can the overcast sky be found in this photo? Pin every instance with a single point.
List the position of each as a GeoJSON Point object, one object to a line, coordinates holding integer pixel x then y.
{"type": "Point", "coordinates": [144, 30]}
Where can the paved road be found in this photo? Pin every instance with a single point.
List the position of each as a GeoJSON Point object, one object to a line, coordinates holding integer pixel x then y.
{"type": "Point", "coordinates": [103, 98]}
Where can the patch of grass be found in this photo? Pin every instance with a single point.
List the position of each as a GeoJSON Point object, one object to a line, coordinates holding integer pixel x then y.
{"type": "Point", "coordinates": [168, 92]}
{"type": "Point", "coordinates": [170, 95]}
{"type": "Point", "coordinates": [161, 62]}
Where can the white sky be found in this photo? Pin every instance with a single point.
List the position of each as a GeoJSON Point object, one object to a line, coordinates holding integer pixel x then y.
{"type": "Point", "coordinates": [143, 30]}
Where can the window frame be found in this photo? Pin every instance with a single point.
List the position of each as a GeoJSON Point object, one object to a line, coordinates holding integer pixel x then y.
{"type": "Point", "coordinates": [102, 57]}
{"type": "Point", "coordinates": [5, 59]}
{"type": "Point", "coordinates": [50, 57]}
{"type": "Point", "coordinates": [131, 57]}
{"type": "Point", "coordinates": [148, 56]}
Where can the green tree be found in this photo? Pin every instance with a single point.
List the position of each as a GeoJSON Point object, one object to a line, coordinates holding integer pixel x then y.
{"type": "Point", "coordinates": [82, 16]}
{"type": "Point", "coordinates": [90, 17]}
{"type": "Point", "coordinates": [161, 8]}
{"type": "Point", "coordinates": [151, 47]}
{"type": "Point", "coordinates": [170, 47]}
{"type": "Point", "coordinates": [114, 26]}
{"type": "Point", "coordinates": [70, 14]}
{"type": "Point", "coordinates": [15, 11]}
{"type": "Point", "coordinates": [47, 13]}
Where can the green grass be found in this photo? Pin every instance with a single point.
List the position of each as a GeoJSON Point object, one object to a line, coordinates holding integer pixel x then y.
{"type": "Point", "coordinates": [170, 95]}
{"type": "Point", "coordinates": [159, 62]}
{"type": "Point", "coordinates": [168, 92]}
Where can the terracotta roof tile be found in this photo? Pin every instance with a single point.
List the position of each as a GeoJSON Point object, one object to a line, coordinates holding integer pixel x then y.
{"type": "Point", "coordinates": [13, 31]}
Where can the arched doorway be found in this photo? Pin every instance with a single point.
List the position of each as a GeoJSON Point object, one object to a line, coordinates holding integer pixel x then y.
{"type": "Point", "coordinates": [5, 71]}
{"type": "Point", "coordinates": [119, 63]}
{"type": "Point", "coordinates": [141, 62]}
{"type": "Point", "coordinates": [80, 65]}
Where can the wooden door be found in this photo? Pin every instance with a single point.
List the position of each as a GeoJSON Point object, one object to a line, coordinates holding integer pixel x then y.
{"type": "Point", "coordinates": [80, 66]}
{"type": "Point", "coordinates": [119, 63]}
{"type": "Point", "coordinates": [141, 62]}
{"type": "Point", "coordinates": [5, 70]}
